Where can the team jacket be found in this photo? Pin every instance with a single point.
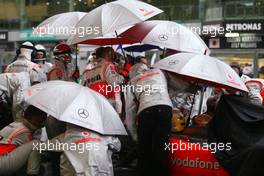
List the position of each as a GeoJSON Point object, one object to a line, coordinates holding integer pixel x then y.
{"type": "Point", "coordinates": [45, 67]}
{"type": "Point", "coordinates": [104, 79]}
{"type": "Point", "coordinates": [89, 155]}
{"type": "Point", "coordinates": [14, 135]}
{"type": "Point", "coordinates": [59, 72]}
{"type": "Point", "coordinates": [13, 84]}
{"type": "Point", "coordinates": [22, 64]}
{"type": "Point", "coordinates": [143, 91]}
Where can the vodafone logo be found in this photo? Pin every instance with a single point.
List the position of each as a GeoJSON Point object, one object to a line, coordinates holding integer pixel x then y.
{"type": "Point", "coordinates": [173, 62]}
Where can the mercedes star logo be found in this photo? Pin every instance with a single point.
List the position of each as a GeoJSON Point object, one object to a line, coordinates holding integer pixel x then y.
{"type": "Point", "coordinates": [173, 62]}
{"type": "Point", "coordinates": [163, 37]}
{"type": "Point", "coordinates": [83, 113]}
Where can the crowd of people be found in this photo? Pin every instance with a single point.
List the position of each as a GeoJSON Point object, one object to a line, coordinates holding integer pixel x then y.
{"type": "Point", "coordinates": [145, 98]}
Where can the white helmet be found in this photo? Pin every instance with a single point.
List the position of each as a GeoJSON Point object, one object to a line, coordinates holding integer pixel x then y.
{"type": "Point", "coordinates": [42, 49]}
{"type": "Point", "coordinates": [27, 45]}
{"type": "Point", "coordinates": [26, 49]}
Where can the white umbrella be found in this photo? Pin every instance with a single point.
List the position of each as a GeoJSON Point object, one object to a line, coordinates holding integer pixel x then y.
{"type": "Point", "coordinates": [166, 34]}
{"type": "Point", "coordinates": [113, 17]}
{"type": "Point", "coordinates": [59, 25]}
{"type": "Point", "coordinates": [75, 104]}
{"type": "Point", "coordinates": [202, 69]}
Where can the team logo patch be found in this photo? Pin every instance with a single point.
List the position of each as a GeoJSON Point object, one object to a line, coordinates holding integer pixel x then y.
{"type": "Point", "coordinates": [173, 62]}
{"type": "Point", "coordinates": [163, 37]}
{"type": "Point", "coordinates": [83, 113]}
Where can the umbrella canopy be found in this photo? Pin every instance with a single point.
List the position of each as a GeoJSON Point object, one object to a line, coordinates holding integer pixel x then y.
{"type": "Point", "coordinates": [59, 25]}
{"type": "Point", "coordinates": [75, 104]}
{"type": "Point", "coordinates": [112, 17]}
{"type": "Point", "coordinates": [202, 69]}
{"type": "Point", "coordinates": [166, 34]}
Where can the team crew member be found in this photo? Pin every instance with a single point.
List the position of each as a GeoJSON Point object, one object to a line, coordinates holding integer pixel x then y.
{"type": "Point", "coordinates": [140, 66]}
{"type": "Point", "coordinates": [23, 62]}
{"type": "Point", "coordinates": [104, 78]}
{"type": "Point", "coordinates": [40, 59]}
{"type": "Point", "coordinates": [15, 135]}
{"type": "Point", "coordinates": [148, 104]}
{"type": "Point", "coordinates": [12, 86]}
{"type": "Point", "coordinates": [88, 161]}
{"type": "Point", "coordinates": [154, 113]}
{"type": "Point", "coordinates": [92, 64]}
{"type": "Point", "coordinates": [61, 70]}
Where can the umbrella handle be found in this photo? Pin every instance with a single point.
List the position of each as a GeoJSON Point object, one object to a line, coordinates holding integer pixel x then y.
{"type": "Point", "coordinates": [189, 117]}
{"type": "Point", "coordinates": [163, 53]}
{"type": "Point", "coordinates": [76, 55]}
{"type": "Point", "coordinates": [201, 101]}
{"type": "Point", "coordinates": [123, 52]}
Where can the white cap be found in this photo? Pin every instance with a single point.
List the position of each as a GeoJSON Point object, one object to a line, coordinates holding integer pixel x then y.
{"type": "Point", "coordinates": [26, 49]}
{"type": "Point", "coordinates": [40, 47]}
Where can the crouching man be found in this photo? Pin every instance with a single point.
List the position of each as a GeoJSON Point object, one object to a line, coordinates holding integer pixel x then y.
{"type": "Point", "coordinates": [16, 143]}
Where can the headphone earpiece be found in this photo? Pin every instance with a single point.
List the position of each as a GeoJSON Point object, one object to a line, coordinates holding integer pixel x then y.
{"type": "Point", "coordinates": [17, 52]}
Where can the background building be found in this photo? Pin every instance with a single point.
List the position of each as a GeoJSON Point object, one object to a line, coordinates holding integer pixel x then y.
{"type": "Point", "coordinates": [243, 39]}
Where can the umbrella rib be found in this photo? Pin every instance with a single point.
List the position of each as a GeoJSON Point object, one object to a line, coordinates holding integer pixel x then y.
{"type": "Point", "coordinates": [69, 104]}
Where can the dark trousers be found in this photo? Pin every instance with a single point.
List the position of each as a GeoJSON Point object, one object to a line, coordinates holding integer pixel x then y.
{"type": "Point", "coordinates": [153, 129]}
